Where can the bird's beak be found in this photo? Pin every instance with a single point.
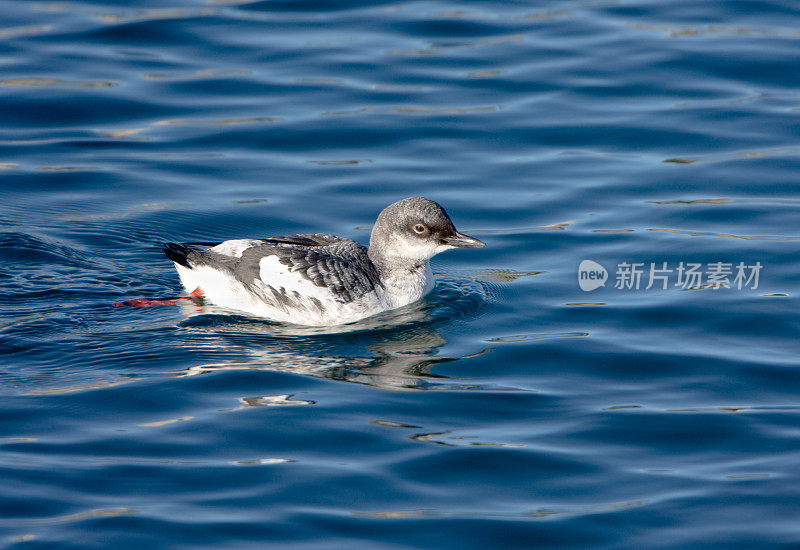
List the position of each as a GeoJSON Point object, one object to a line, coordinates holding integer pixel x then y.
{"type": "Point", "coordinates": [464, 241]}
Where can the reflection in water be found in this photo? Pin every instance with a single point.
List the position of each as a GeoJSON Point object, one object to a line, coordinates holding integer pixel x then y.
{"type": "Point", "coordinates": [246, 120]}
{"type": "Point", "coordinates": [446, 110]}
{"type": "Point", "coordinates": [680, 160]}
{"type": "Point", "coordinates": [339, 162]}
{"type": "Point", "coordinates": [695, 201]}
{"type": "Point", "coordinates": [536, 336]}
{"type": "Point", "coordinates": [681, 32]}
{"type": "Point", "coordinates": [160, 423]}
{"type": "Point", "coordinates": [543, 513]}
{"type": "Point", "coordinates": [559, 226]}
{"type": "Point", "coordinates": [68, 168]}
{"type": "Point", "coordinates": [791, 409]}
{"type": "Point", "coordinates": [444, 438]}
{"type": "Point", "coordinates": [203, 74]}
{"type": "Point", "coordinates": [261, 462]}
{"type": "Point", "coordinates": [91, 514]}
{"type": "Point", "coordinates": [739, 201]}
{"type": "Point", "coordinates": [444, 50]}
{"type": "Point", "coordinates": [263, 401]}
{"type": "Point", "coordinates": [548, 512]}
{"type": "Point", "coordinates": [392, 351]}
{"type": "Point", "coordinates": [402, 361]}
{"type": "Point", "coordinates": [153, 15]}
{"type": "Point", "coordinates": [392, 424]}
{"type": "Point", "coordinates": [507, 275]}
{"type": "Point", "coordinates": [81, 387]}
{"type": "Point", "coordinates": [728, 235]}
{"type": "Point", "coordinates": [18, 32]}
{"type": "Point", "coordinates": [768, 152]}
{"type": "Point", "coordinates": [56, 82]}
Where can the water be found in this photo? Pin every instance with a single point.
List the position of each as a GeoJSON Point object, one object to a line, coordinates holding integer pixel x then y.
{"type": "Point", "coordinates": [511, 408]}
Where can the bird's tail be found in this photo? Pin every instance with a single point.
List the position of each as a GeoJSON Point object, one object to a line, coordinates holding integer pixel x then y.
{"type": "Point", "coordinates": [177, 253]}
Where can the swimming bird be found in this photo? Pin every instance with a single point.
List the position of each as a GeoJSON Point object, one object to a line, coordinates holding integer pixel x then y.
{"type": "Point", "coordinates": [319, 279]}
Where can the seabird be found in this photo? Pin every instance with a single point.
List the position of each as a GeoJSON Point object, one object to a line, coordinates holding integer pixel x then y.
{"type": "Point", "coordinates": [319, 279]}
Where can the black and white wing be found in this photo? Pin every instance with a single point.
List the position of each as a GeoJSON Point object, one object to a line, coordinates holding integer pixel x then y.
{"type": "Point", "coordinates": [339, 265]}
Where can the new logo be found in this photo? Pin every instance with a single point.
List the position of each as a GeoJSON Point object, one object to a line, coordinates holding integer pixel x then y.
{"type": "Point", "coordinates": [591, 275]}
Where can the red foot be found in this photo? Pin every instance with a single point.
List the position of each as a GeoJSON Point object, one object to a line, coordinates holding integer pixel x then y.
{"type": "Point", "coordinates": [195, 296]}
{"type": "Point", "coordinates": [144, 302]}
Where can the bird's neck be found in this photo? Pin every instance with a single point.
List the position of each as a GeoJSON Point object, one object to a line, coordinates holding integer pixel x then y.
{"type": "Point", "coordinates": [405, 281]}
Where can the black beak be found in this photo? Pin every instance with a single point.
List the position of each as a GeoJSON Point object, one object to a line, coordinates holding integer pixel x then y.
{"type": "Point", "coordinates": [463, 241]}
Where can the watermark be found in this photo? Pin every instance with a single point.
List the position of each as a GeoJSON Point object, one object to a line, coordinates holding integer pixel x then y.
{"type": "Point", "coordinates": [591, 275]}
{"type": "Point", "coordinates": [664, 275]}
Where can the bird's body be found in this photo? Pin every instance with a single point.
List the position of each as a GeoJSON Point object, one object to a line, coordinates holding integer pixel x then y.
{"type": "Point", "coordinates": [319, 279]}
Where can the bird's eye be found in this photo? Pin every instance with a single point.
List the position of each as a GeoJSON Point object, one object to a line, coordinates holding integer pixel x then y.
{"type": "Point", "coordinates": [419, 228]}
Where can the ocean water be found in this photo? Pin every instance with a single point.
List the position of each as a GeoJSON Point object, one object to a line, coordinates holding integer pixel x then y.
{"type": "Point", "coordinates": [511, 408]}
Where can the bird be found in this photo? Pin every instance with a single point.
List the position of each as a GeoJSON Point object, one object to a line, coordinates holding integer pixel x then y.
{"type": "Point", "coordinates": [319, 279]}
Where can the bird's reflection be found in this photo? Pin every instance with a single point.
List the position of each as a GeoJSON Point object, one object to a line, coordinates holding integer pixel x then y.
{"type": "Point", "coordinates": [394, 351]}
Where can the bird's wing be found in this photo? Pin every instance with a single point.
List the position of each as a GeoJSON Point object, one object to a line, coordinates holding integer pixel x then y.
{"type": "Point", "coordinates": [339, 265]}
{"type": "Point", "coordinates": [288, 267]}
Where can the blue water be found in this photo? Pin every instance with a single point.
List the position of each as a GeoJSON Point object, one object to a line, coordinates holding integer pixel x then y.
{"type": "Point", "coordinates": [509, 409]}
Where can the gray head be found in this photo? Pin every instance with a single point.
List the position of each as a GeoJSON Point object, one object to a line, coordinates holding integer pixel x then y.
{"type": "Point", "coordinates": [414, 230]}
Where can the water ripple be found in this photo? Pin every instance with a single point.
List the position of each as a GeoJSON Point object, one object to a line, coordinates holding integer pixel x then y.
{"type": "Point", "coordinates": [509, 408]}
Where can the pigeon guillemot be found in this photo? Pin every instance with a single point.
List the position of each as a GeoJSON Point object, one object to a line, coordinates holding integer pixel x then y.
{"type": "Point", "coordinates": [319, 279]}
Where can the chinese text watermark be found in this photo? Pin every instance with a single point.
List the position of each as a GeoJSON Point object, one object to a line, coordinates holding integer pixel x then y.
{"type": "Point", "coordinates": [664, 275]}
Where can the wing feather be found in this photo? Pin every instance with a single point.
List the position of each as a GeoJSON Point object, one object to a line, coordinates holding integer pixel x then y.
{"type": "Point", "coordinates": [337, 264]}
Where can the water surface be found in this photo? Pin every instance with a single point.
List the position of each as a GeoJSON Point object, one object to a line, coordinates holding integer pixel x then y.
{"type": "Point", "coordinates": [510, 408]}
